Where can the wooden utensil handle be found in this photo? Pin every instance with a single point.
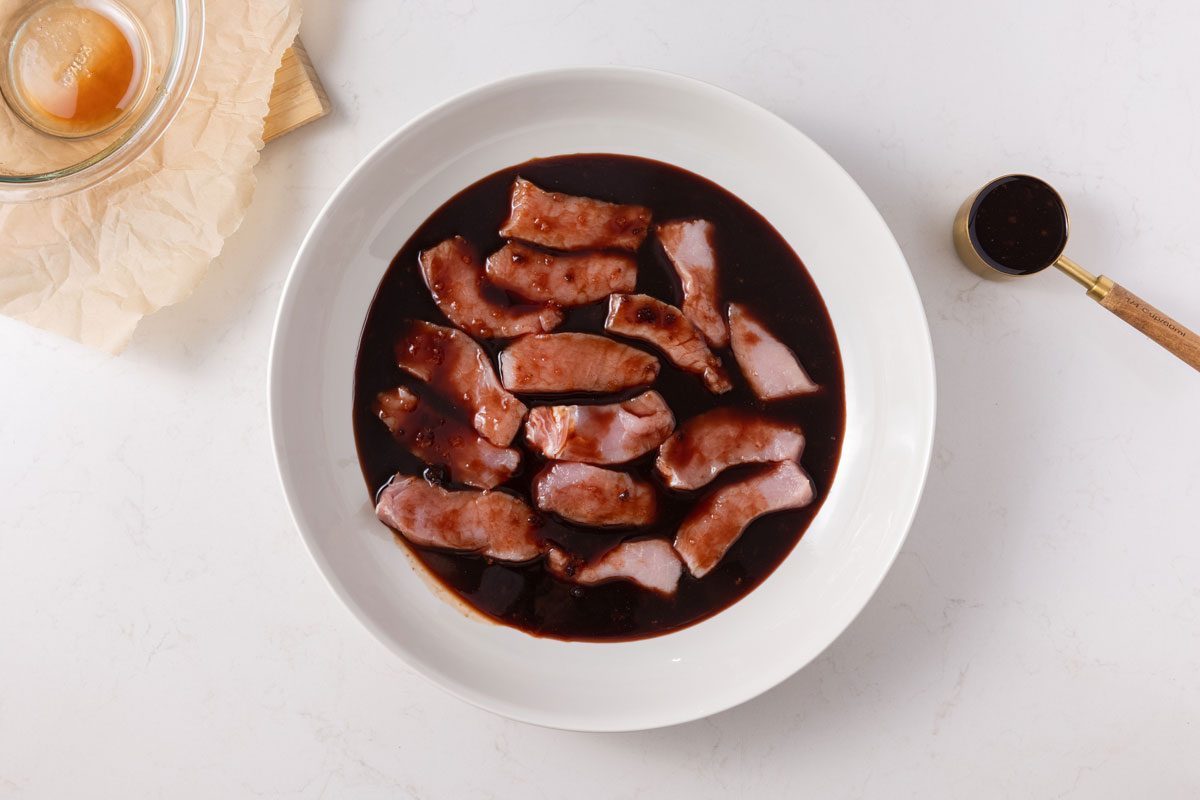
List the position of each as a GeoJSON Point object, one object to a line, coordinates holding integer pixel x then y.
{"type": "Point", "coordinates": [1149, 320]}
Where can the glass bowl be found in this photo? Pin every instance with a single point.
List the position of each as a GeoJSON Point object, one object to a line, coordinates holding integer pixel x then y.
{"type": "Point", "coordinates": [35, 165]}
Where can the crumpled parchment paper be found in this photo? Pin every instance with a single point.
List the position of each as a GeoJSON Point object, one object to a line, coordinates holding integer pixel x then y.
{"type": "Point", "coordinates": [90, 265]}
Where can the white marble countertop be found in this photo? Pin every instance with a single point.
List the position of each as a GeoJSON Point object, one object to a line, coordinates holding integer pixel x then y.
{"type": "Point", "coordinates": [163, 633]}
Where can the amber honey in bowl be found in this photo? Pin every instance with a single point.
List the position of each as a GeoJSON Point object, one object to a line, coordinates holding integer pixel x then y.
{"type": "Point", "coordinates": [75, 68]}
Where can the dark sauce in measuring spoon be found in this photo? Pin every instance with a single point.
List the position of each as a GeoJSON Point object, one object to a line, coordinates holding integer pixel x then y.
{"type": "Point", "coordinates": [758, 268]}
{"type": "Point", "coordinates": [1019, 225]}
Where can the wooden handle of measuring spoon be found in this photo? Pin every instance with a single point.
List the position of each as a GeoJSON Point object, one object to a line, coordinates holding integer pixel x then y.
{"type": "Point", "coordinates": [1148, 319]}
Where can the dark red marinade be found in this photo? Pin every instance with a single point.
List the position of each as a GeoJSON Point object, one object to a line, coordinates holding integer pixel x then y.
{"type": "Point", "coordinates": [757, 268]}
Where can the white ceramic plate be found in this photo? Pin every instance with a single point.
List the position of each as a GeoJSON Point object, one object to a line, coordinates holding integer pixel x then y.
{"type": "Point", "coordinates": [810, 599]}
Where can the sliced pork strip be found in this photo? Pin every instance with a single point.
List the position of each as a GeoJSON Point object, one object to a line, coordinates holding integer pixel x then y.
{"type": "Point", "coordinates": [493, 524]}
{"type": "Point", "coordinates": [459, 370]}
{"type": "Point", "coordinates": [457, 282]}
{"type": "Point", "coordinates": [689, 246]}
{"type": "Point", "coordinates": [770, 367]}
{"type": "Point", "coordinates": [717, 521]}
{"type": "Point", "coordinates": [566, 279]}
{"type": "Point", "coordinates": [704, 446]}
{"type": "Point", "coordinates": [574, 362]}
{"type": "Point", "coordinates": [440, 440]}
{"type": "Point", "coordinates": [601, 434]}
{"type": "Point", "coordinates": [640, 316]}
{"type": "Point", "coordinates": [567, 222]}
{"type": "Point", "coordinates": [594, 496]}
{"type": "Point", "coordinates": [650, 563]}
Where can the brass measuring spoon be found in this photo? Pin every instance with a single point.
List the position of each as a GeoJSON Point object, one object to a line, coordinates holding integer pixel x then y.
{"type": "Point", "coordinates": [1017, 225]}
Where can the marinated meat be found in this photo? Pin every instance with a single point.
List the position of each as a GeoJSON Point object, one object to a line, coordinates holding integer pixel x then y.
{"type": "Point", "coordinates": [640, 316]}
{"type": "Point", "coordinates": [566, 279]}
{"type": "Point", "coordinates": [717, 521]}
{"type": "Point", "coordinates": [689, 246]}
{"type": "Point", "coordinates": [594, 496]}
{"type": "Point", "coordinates": [650, 563]}
{"type": "Point", "coordinates": [706, 445]}
{"type": "Point", "coordinates": [489, 523]}
{"type": "Point", "coordinates": [567, 222]}
{"type": "Point", "coordinates": [574, 362]}
{"type": "Point", "coordinates": [440, 440]}
{"type": "Point", "coordinates": [600, 434]}
{"type": "Point", "coordinates": [770, 367]}
{"type": "Point", "coordinates": [457, 282]}
{"type": "Point", "coordinates": [458, 370]}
